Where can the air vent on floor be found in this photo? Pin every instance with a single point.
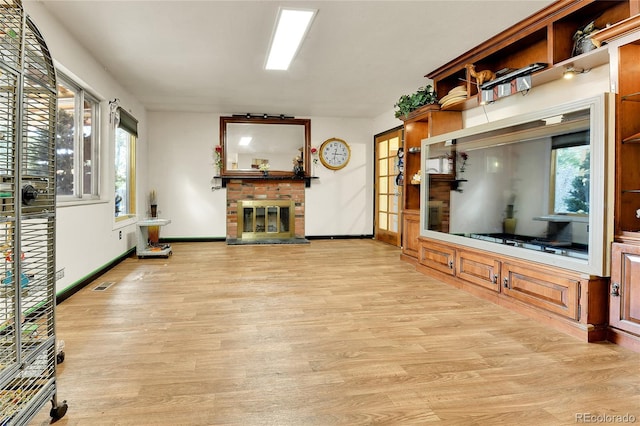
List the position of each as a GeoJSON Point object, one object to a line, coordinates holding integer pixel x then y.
{"type": "Point", "coordinates": [103, 286]}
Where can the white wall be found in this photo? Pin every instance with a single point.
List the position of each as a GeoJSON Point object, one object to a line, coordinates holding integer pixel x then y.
{"type": "Point", "coordinates": [87, 235]}
{"type": "Point", "coordinates": [385, 121]}
{"type": "Point", "coordinates": [181, 161]}
{"type": "Point", "coordinates": [341, 202]}
{"type": "Point", "coordinates": [181, 168]}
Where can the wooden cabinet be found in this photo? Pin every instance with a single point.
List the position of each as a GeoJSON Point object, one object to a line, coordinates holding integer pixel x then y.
{"type": "Point", "coordinates": [410, 233]}
{"type": "Point", "coordinates": [624, 299]}
{"type": "Point", "coordinates": [546, 37]}
{"type": "Point", "coordinates": [563, 299]}
{"type": "Point", "coordinates": [420, 124]}
{"type": "Point", "coordinates": [628, 142]}
{"type": "Point", "coordinates": [623, 40]}
{"type": "Point", "coordinates": [544, 288]}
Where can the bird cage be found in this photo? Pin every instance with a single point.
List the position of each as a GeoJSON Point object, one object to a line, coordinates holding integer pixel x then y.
{"type": "Point", "coordinates": [28, 102]}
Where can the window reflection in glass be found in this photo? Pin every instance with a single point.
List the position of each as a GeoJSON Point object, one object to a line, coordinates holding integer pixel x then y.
{"type": "Point", "coordinates": [525, 185]}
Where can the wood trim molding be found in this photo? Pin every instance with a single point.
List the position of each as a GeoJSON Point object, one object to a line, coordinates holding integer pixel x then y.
{"type": "Point", "coordinates": [617, 30]}
{"type": "Point", "coordinates": [527, 26]}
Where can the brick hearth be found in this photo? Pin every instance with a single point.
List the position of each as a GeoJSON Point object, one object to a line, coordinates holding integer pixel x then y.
{"type": "Point", "coordinates": [264, 189]}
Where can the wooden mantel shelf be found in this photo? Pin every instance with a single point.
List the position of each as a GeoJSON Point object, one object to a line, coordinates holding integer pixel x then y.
{"type": "Point", "coordinates": [255, 177]}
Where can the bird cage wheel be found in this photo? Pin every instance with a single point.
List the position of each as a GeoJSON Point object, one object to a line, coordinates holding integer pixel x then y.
{"type": "Point", "coordinates": [58, 411]}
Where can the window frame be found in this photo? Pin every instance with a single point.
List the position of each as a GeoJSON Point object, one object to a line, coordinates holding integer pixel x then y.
{"type": "Point", "coordinates": [553, 178]}
{"type": "Point", "coordinates": [82, 95]}
{"type": "Point", "coordinates": [128, 125]}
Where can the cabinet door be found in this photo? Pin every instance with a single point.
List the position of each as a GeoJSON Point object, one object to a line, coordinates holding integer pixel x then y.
{"type": "Point", "coordinates": [479, 269]}
{"type": "Point", "coordinates": [437, 256]}
{"type": "Point", "coordinates": [542, 288]}
{"type": "Point", "coordinates": [410, 233]}
{"type": "Point", "coordinates": [624, 302]}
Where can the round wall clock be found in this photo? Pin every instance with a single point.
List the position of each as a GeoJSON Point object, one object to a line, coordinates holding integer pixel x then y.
{"type": "Point", "coordinates": [334, 153]}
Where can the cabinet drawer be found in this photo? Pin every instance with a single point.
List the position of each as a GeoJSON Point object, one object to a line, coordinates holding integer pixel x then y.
{"type": "Point", "coordinates": [479, 269]}
{"type": "Point", "coordinates": [542, 288]}
{"type": "Point", "coordinates": [437, 256]}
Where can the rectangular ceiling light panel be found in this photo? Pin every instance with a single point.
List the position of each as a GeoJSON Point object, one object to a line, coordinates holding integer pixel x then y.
{"type": "Point", "coordinates": [291, 28]}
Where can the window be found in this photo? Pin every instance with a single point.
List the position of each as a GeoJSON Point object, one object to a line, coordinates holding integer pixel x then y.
{"type": "Point", "coordinates": [571, 162]}
{"type": "Point", "coordinates": [125, 165]}
{"type": "Point", "coordinates": [77, 142]}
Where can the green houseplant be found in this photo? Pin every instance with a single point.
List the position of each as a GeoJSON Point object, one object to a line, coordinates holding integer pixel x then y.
{"type": "Point", "coordinates": [407, 103]}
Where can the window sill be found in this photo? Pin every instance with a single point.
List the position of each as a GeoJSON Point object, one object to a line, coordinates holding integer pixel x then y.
{"type": "Point", "coordinates": [74, 203]}
{"type": "Point", "coordinates": [124, 221]}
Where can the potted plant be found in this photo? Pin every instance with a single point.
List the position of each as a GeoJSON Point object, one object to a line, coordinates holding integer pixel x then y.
{"type": "Point", "coordinates": [153, 203]}
{"type": "Point", "coordinates": [408, 103]}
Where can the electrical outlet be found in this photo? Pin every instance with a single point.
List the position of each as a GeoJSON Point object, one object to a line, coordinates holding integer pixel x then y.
{"type": "Point", "coordinates": [59, 274]}
{"type": "Point", "coordinates": [119, 235]}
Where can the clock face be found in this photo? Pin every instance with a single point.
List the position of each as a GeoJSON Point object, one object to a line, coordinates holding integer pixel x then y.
{"type": "Point", "coordinates": [334, 153]}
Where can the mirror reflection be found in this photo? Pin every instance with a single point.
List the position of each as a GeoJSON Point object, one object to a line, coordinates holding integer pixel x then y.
{"type": "Point", "coordinates": [525, 186]}
{"type": "Point", "coordinates": [251, 145]}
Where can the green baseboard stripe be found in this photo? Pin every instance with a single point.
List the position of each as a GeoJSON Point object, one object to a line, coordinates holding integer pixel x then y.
{"type": "Point", "coordinates": [81, 283]}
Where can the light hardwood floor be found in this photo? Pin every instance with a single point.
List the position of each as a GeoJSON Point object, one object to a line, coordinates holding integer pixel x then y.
{"type": "Point", "coordinates": [336, 332]}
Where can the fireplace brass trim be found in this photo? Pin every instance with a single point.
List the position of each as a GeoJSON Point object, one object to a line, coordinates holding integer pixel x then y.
{"type": "Point", "coordinates": [277, 232]}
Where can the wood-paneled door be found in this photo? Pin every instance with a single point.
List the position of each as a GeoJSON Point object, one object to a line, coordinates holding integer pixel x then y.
{"type": "Point", "coordinates": [624, 302]}
{"type": "Point", "coordinates": [388, 184]}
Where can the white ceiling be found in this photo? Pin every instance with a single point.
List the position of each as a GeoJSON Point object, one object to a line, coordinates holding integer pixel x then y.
{"type": "Point", "coordinates": [357, 59]}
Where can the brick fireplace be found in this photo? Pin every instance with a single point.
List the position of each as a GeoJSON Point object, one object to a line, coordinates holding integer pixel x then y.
{"type": "Point", "coordinates": [264, 189]}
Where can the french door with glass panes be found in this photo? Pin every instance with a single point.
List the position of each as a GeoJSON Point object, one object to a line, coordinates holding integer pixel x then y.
{"type": "Point", "coordinates": [389, 176]}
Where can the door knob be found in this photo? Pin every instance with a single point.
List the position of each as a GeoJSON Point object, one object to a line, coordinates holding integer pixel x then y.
{"type": "Point", "coordinates": [615, 290]}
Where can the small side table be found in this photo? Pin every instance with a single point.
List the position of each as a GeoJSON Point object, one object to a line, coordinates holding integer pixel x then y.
{"type": "Point", "coordinates": [143, 249]}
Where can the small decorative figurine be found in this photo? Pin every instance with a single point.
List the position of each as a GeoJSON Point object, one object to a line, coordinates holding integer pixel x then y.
{"type": "Point", "coordinates": [480, 76]}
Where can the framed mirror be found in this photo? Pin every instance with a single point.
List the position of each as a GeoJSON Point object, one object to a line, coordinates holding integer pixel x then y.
{"type": "Point", "coordinates": [251, 144]}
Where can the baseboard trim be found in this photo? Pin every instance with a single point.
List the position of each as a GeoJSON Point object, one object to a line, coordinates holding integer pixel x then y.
{"type": "Point", "coordinates": [624, 339]}
{"type": "Point", "coordinates": [79, 285]}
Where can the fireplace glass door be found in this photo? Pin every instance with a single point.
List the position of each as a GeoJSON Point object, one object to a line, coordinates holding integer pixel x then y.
{"type": "Point", "coordinates": [265, 219]}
